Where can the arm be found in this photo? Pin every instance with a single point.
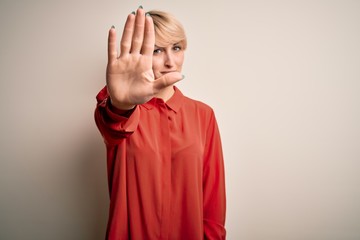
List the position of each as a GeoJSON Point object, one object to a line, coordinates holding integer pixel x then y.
{"type": "Point", "coordinates": [214, 185]}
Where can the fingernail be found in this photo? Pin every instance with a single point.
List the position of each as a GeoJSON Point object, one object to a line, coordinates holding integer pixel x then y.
{"type": "Point", "coordinates": [147, 14]}
{"type": "Point", "coordinates": [113, 26]}
{"type": "Point", "coordinates": [141, 7]}
{"type": "Point", "coordinates": [133, 12]}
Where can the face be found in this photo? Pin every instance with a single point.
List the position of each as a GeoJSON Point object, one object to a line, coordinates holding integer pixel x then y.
{"type": "Point", "coordinates": [167, 59]}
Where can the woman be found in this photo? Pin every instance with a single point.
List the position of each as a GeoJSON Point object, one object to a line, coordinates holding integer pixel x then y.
{"type": "Point", "coordinates": [164, 156]}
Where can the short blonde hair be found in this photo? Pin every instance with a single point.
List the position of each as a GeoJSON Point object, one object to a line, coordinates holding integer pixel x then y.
{"type": "Point", "coordinates": [168, 30]}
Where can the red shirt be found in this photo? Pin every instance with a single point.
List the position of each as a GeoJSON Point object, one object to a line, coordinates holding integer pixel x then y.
{"type": "Point", "coordinates": [165, 170]}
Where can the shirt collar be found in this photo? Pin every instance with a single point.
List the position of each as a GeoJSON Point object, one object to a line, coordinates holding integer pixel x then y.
{"type": "Point", "coordinates": [174, 103]}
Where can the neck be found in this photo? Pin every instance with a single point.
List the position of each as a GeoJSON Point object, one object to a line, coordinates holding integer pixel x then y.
{"type": "Point", "coordinates": [166, 93]}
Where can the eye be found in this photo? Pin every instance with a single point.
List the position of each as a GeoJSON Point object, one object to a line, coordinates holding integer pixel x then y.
{"type": "Point", "coordinates": [176, 48]}
{"type": "Point", "coordinates": [157, 51]}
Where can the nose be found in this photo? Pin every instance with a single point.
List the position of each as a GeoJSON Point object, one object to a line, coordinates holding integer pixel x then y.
{"type": "Point", "coordinates": [169, 60]}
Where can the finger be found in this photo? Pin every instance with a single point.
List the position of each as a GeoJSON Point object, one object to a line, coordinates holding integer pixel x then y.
{"type": "Point", "coordinates": [112, 52]}
{"type": "Point", "coordinates": [138, 36]}
{"type": "Point", "coordinates": [125, 44]}
{"type": "Point", "coordinates": [149, 36]}
{"type": "Point", "coordinates": [166, 80]}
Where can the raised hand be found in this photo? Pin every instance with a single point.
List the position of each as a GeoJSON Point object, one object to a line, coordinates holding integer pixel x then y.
{"type": "Point", "coordinates": [129, 75]}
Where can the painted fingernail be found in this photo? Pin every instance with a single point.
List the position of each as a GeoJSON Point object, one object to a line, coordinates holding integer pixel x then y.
{"type": "Point", "coordinates": [147, 14]}
{"type": "Point", "coordinates": [141, 7]}
{"type": "Point", "coordinates": [113, 27]}
{"type": "Point", "coordinates": [133, 12]}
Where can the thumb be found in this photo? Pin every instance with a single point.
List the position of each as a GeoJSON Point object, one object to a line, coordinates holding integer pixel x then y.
{"type": "Point", "coordinates": [167, 80]}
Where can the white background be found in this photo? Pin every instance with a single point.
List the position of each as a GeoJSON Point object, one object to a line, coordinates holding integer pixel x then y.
{"type": "Point", "coordinates": [282, 76]}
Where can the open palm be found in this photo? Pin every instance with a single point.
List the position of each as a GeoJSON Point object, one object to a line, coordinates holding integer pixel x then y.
{"type": "Point", "coordinates": [129, 76]}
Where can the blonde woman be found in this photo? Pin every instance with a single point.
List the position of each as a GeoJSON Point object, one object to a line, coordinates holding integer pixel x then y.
{"type": "Point", "coordinates": [164, 156]}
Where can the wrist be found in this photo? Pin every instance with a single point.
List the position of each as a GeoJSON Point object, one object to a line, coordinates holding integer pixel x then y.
{"type": "Point", "coordinates": [121, 106]}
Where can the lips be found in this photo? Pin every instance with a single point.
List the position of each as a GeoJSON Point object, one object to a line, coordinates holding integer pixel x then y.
{"type": "Point", "coordinates": [165, 72]}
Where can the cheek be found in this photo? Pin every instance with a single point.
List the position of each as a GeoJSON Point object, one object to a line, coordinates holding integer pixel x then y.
{"type": "Point", "coordinates": [156, 68]}
{"type": "Point", "coordinates": [180, 60]}
{"type": "Point", "coordinates": [155, 65]}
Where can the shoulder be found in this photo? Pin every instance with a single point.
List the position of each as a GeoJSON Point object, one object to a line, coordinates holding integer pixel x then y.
{"type": "Point", "coordinates": [191, 106]}
{"type": "Point", "coordinates": [198, 106]}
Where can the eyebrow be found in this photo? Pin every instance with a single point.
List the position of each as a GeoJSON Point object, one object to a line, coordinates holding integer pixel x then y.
{"type": "Point", "coordinates": [178, 43]}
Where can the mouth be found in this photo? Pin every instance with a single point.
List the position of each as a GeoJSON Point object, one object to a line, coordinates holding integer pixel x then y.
{"type": "Point", "coordinates": [165, 72]}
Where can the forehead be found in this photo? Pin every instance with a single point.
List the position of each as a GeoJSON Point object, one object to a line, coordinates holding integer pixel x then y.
{"type": "Point", "coordinates": [167, 44]}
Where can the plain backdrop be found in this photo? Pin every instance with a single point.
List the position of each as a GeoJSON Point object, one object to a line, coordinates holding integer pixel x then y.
{"type": "Point", "coordinates": [282, 76]}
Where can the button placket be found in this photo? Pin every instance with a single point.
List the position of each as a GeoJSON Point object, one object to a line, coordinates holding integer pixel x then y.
{"type": "Point", "coordinates": [166, 170]}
